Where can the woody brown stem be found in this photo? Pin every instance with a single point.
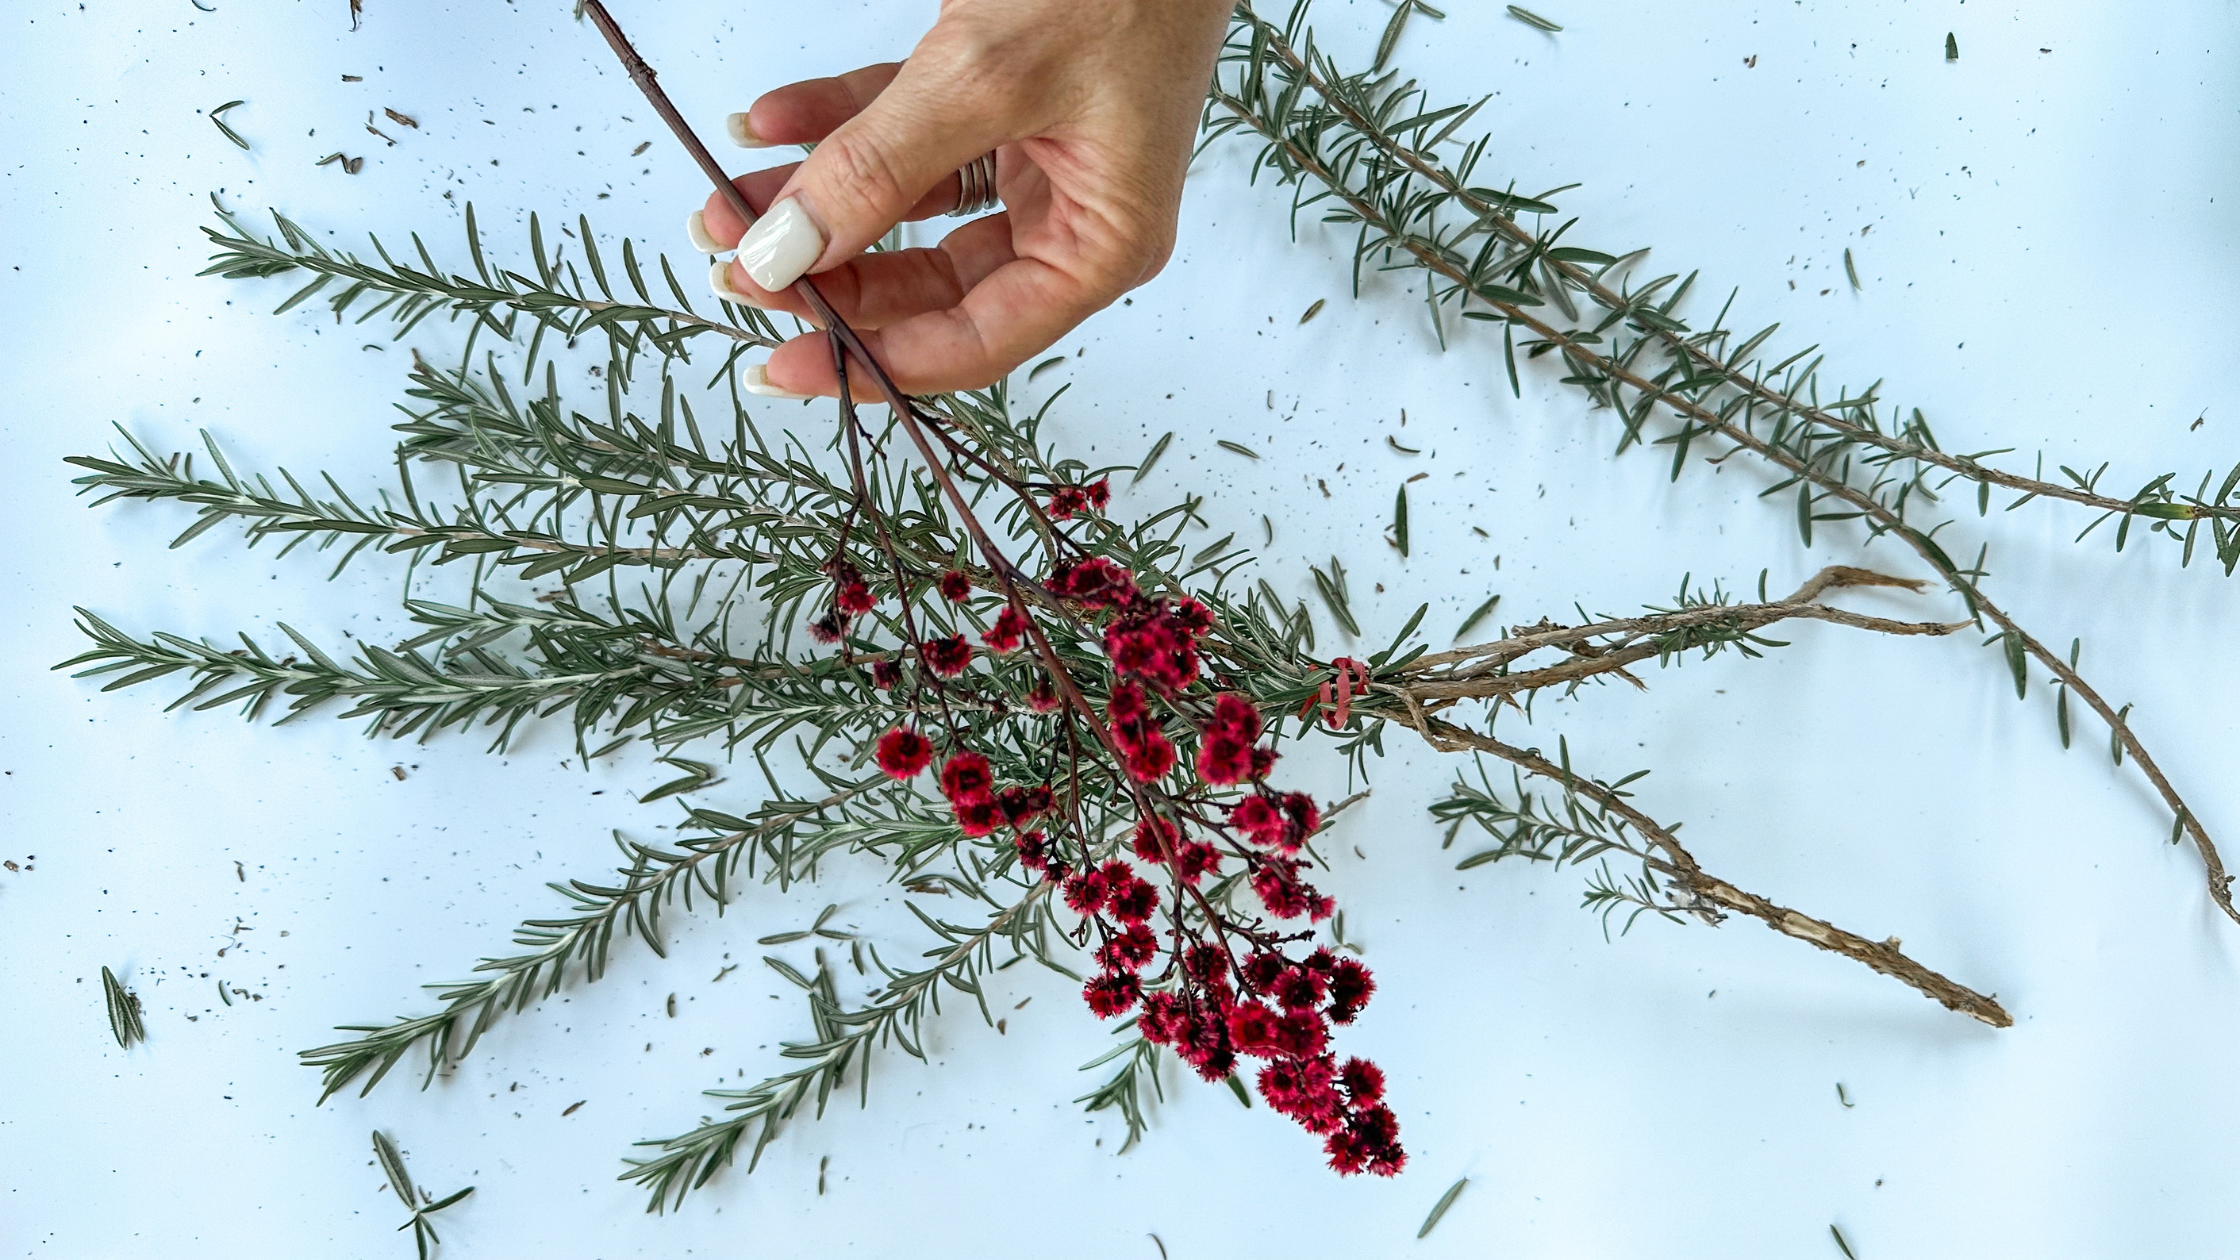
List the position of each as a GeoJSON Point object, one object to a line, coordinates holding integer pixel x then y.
{"type": "Point", "coordinates": [1680, 868]}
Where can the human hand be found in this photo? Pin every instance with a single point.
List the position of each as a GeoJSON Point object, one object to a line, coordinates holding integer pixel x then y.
{"type": "Point", "coordinates": [1090, 109]}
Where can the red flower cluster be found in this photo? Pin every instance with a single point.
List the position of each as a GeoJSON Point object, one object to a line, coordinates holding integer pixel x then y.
{"type": "Point", "coordinates": [1193, 859]}
{"type": "Point", "coordinates": [1148, 752]}
{"type": "Point", "coordinates": [1283, 1015]}
{"type": "Point", "coordinates": [1067, 502]}
{"type": "Point", "coordinates": [1281, 821]}
{"type": "Point", "coordinates": [1157, 640]}
{"type": "Point", "coordinates": [851, 598]}
{"type": "Point", "coordinates": [1211, 1007]}
{"type": "Point", "coordinates": [946, 657]}
{"type": "Point", "coordinates": [971, 788]}
{"type": "Point", "coordinates": [1010, 627]}
{"type": "Point", "coordinates": [1227, 751]}
{"type": "Point", "coordinates": [969, 783]}
{"type": "Point", "coordinates": [904, 753]}
{"type": "Point", "coordinates": [1094, 583]}
{"type": "Point", "coordinates": [1287, 896]}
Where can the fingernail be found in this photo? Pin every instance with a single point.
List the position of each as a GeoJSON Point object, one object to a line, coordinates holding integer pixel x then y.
{"type": "Point", "coordinates": [719, 280]}
{"type": "Point", "coordinates": [758, 382]}
{"type": "Point", "coordinates": [696, 227]}
{"type": "Point", "coordinates": [742, 133]}
{"type": "Point", "coordinates": [780, 246]}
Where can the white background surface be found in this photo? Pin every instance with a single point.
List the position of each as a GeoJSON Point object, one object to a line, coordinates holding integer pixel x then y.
{"type": "Point", "coordinates": [2052, 266]}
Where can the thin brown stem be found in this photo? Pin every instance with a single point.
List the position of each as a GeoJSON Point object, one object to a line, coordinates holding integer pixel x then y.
{"type": "Point", "coordinates": [1679, 867]}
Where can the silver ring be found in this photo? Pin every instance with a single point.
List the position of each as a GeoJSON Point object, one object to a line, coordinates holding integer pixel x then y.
{"type": "Point", "coordinates": [976, 190]}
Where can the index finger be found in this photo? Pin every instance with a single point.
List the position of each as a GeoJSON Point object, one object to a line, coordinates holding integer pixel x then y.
{"type": "Point", "coordinates": [1019, 309]}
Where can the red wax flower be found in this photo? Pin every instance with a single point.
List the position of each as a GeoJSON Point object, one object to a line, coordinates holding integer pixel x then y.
{"type": "Point", "coordinates": [1034, 850]}
{"type": "Point", "coordinates": [1149, 833]}
{"type": "Point", "coordinates": [1253, 1029]}
{"type": "Point", "coordinates": [1010, 627]}
{"type": "Point", "coordinates": [1066, 502]}
{"type": "Point", "coordinates": [946, 657]}
{"type": "Point", "coordinates": [1098, 493]}
{"type": "Point", "coordinates": [1132, 901]}
{"type": "Point", "coordinates": [1150, 760]}
{"type": "Point", "coordinates": [1260, 970]}
{"type": "Point", "coordinates": [1044, 698]}
{"type": "Point", "coordinates": [966, 777]}
{"type": "Point", "coordinates": [1302, 1036]}
{"type": "Point", "coordinates": [1280, 890]}
{"type": "Point", "coordinates": [1129, 950]}
{"type": "Point", "coordinates": [1161, 1022]}
{"type": "Point", "coordinates": [955, 586]}
{"type": "Point", "coordinates": [1194, 859]}
{"type": "Point", "coordinates": [1110, 994]}
{"type": "Point", "coordinates": [826, 629]}
{"type": "Point", "coordinates": [1085, 892]}
{"type": "Point", "coordinates": [1263, 760]}
{"type": "Point", "coordinates": [1370, 1142]}
{"type": "Point", "coordinates": [885, 675]}
{"type": "Point", "coordinates": [1364, 1081]}
{"type": "Point", "coordinates": [1022, 803]}
{"type": "Point", "coordinates": [1224, 759]}
{"type": "Point", "coordinates": [1206, 963]}
{"type": "Point", "coordinates": [904, 753]}
{"type": "Point", "coordinates": [854, 598]}
{"type": "Point", "coordinates": [1256, 816]}
{"type": "Point", "coordinates": [1299, 989]}
{"type": "Point", "coordinates": [977, 817]}
{"type": "Point", "coordinates": [1095, 583]}
{"type": "Point", "coordinates": [1126, 703]}
{"type": "Point", "coordinates": [1236, 716]}
{"type": "Point", "coordinates": [1305, 1090]}
{"type": "Point", "coordinates": [1350, 989]}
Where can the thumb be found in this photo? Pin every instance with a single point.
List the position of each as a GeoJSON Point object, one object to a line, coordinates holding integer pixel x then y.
{"type": "Point", "coordinates": [865, 177]}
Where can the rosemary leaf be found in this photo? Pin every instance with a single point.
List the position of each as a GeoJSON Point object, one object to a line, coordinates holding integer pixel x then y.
{"type": "Point", "coordinates": [1158, 448]}
{"type": "Point", "coordinates": [218, 116]}
{"type": "Point", "coordinates": [1470, 622]}
{"type": "Point", "coordinates": [1529, 18]}
{"type": "Point", "coordinates": [1439, 1209]}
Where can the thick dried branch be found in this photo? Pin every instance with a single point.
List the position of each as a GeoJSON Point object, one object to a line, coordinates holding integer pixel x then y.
{"type": "Point", "coordinates": [1689, 878]}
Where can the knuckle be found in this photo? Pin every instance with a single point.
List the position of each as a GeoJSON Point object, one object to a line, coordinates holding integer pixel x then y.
{"type": "Point", "coordinates": [858, 176]}
{"type": "Point", "coordinates": [988, 67]}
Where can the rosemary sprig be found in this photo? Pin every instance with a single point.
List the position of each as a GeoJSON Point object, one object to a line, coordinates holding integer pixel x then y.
{"type": "Point", "coordinates": [896, 1014]}
{"type": "Point", "coordinates": [1345, 135]}
{"type": "Point", "coordinates": [392, 1166]}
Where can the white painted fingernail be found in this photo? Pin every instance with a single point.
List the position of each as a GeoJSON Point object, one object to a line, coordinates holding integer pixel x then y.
{"type": "Point", "coordinates": [719, 281]}
{"type": "Point", "coordinates": [742, 133]}
{"type": "Point", "coordinates": [758, 382]}
{"type": "Point", "coordinates": [780, 246]}
{"type": "Point", "coordinates": [696, 227]}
